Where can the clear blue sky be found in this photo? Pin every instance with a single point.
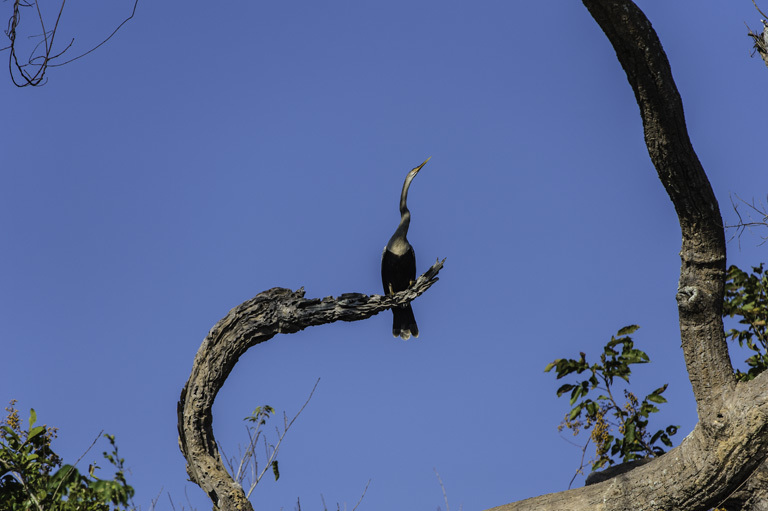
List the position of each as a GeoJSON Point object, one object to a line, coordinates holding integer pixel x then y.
{"type": "Point", "coordinates": [206, 154]}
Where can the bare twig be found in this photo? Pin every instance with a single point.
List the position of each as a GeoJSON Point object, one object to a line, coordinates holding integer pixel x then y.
{"type": "Point", "coordinates": [20, 75]}
{"type": "Point", "coordinates": [271, 458]}
{"type": "Point", "coordinates": [760, 40]}
{"type": "Point", "coordinates": [75, 463]}
{"type": "Point", "coordinates": [363, 495]}
{"type": "Point", "coordinates": [442, 487]}
{"type": "Point", "coordinates": [580, 470]}
{"type": "Point", "coordinates": [758, 9]}
{"type": "Point", "coordinates": [743, 225]}
{"type": "Point", "coordinates": [126, 20]}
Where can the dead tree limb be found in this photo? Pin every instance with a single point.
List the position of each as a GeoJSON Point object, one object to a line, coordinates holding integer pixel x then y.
{"type": "Point", "coordinates": [276, 311]}
{"type": "Point", "coordinates": [731, 438]}
{"type": "Point", "coordinates": [760, 39]}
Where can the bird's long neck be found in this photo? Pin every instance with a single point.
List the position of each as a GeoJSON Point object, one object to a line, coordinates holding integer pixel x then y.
{"type": "Point", "coordinates": [398, 244]}
{"type": "Point", "coordinates": [405, 222]}
{"type": "Point", "coordinates": [404, 196]}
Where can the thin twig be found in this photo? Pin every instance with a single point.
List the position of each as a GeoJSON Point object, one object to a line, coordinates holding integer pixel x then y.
{"type": "Point", "coordinates": [442, 487]}
{"type": "Point", "coordinates": [72, 467]}
{"type": "Point", "coordinates": [581, 467]}
{"type": "Point", "coordinates": [758, 9]}
{"type": "Point", "coordinates": [742, 225]}
{"type": "Point", "coordinates": [363, 495]}
{"type": "Point", "coordinates": [276, 448]}
{"type": "Point", "coordinates": [126, 20]}
{"type": "Point", "coordinates": [44, 61]}
{"type": "Point", "coordinates": [154, 501]}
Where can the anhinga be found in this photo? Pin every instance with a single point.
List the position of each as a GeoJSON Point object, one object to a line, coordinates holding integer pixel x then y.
{"type": "Point", "coordinates": [398, 266]}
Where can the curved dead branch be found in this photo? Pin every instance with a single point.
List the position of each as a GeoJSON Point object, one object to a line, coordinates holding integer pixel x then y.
{"type": "Point", "coordinates": [276, 311]}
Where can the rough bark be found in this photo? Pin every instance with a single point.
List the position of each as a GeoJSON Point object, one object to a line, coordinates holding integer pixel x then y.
{"type": "Point", "coordinates": [276, 311]}
{"type": "Point", "coordinates": [753, 495]}
{"type": "Point", "coordinates": [731, 438]}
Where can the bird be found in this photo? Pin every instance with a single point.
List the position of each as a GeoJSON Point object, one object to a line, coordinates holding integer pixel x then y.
{"type": "Point", "coordinates": [398, 266]}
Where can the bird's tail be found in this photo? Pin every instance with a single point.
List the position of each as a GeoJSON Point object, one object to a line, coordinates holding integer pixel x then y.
{"type": "Point", "coordinates": [404, 323]}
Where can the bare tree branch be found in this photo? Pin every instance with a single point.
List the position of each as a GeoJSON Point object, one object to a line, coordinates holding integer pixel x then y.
{"type": "Point", "coordinates": [742, 225]}
{"type": "Point", "coordinates": [760, 40]}
{"type": "Point", "coordinates": [126, 20]}
{"type": "Point", "coordinates": [276, 311]}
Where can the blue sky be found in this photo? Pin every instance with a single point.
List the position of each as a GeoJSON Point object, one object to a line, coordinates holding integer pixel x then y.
{"type": "Point", "coordinates": [203, 156]}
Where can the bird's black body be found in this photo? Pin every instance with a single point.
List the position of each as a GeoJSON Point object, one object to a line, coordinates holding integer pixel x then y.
{"type": "Point", "coordinates": [398, 272]}
{"type": "Point", "coordinates": [398, 266]}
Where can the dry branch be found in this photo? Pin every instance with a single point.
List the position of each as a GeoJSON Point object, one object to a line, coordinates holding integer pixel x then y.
{"type": "Point", "coordinates": [276, 311]}
{"type": "Point", "coordinates": [760, 39]}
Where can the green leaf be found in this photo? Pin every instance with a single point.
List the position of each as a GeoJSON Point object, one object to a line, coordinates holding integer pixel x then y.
{"type": "Point", "coordinates": [635, 356]}
{"type": "Point", "coordinates": [563, 389]}
{"type": "Point", "coordinates": [630, 329]}
{"type": "Point", "coordinates": [275, 470]}
{"type": "Point", "coordinates": [32, 417]}
{"type": "Point", "coordinates": [35, 432]}
{"type": "Point", "coordinates": [575, 412]}
{"type": "Point", "coordinates": [9, 432]}
{"type": "Point", "coordinates": [656, 398]}
{"type": "Point", "coordinates": [629, 433]}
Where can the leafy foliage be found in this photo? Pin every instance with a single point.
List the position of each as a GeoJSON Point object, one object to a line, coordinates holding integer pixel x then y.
{"type": "Point", "coordinates": [619, 430]}
{"type": "Point", "coordinates": [746, 297]}
{"type": "Point", "coordinates": [32, 476]}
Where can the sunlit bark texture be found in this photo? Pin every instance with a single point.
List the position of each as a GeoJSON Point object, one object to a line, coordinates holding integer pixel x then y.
{"type": "Point", "coordinates": [729, 442]}
{"type": "Point", "coordinates": [276, 311]}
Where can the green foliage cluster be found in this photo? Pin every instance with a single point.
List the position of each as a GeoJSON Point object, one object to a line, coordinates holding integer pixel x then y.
{"type": "Point", "coordinates": [620, 431]}
{"type": "Point", "coordinates": [32, 476]}
{"type": "Point", "coordinates": [596, 407]}
{"type": "Point", "coordinates": [746, 297]}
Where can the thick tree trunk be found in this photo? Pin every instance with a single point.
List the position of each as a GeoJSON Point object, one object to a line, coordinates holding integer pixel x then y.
{"type": "Point", "coordinates": [276, 311]}
{"type": "Point", "coordinates": [731, 439]}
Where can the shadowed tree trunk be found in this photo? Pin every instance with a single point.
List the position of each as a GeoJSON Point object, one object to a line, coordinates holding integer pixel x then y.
{"type": "Point", "coordinates": [729, 442]}
{"type": "Point", "coordinates": [276, 311]}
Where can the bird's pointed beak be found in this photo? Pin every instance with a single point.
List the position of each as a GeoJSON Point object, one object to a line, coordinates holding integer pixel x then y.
{"type": "Point", "coordinates": [419, 167]}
